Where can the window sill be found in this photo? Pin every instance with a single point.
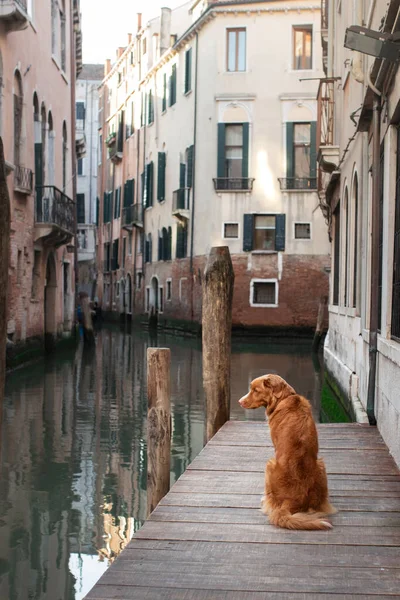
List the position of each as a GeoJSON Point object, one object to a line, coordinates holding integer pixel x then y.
{"type": "Point", "coordinates": [232, 239]}
{"type": "Point", "coordinates": [55, 61]}
{"type": "Point", "coordinates": [300, 191]}
{"type": "Point", "coordinates": [219, 192]}
{"type": "Point", "coordinates": [236, 72]}
{"type": "Point", "coordinates": [264, 305]}
{"type": "Point", "coordinates": [302, 239]}
{"type": "Point", "coordinates": [187, 93]}
{"type": "Point", "coordinates": [63, 75]}
{"type": "Point", "coordinates": [264, 251]}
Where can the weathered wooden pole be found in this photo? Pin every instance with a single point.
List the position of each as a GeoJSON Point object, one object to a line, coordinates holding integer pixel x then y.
{"type": "Point", "coordinates": [217, 324]}
{"type": "Point", "coordinates": [158, 425]}
{"type": "Point", "coordinates": [4, 260]}
{"type": "Point", "coordinates": [320, 323]}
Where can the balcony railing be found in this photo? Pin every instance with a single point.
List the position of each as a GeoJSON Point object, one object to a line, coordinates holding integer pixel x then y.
{"type": "Point", "coordinates": [132, 216]}
{"type": "Point", "coordinates": [298, 183]}
{"type": "Point", "coordinates": [233, 184]}
{"type": "Point", "coordinates": [14, 13]}
{"type": "Point", "coordinates": [53, 207]}
{"type": "Point", "coordinates": [327, 153]}
{"type": "Point", "coordinates": [23, 180]}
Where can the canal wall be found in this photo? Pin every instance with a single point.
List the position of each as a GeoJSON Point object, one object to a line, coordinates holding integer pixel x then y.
{"type": "Point", "coordinates": [33, 348]}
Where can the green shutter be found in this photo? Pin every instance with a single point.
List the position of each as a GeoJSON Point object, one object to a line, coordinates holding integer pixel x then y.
{"type": "Point", "coordinates": [105, 207]}
{"type": "Point", "coordinates": [188, 70]}
{"type": "Point", "coordinates": [182, 175]}
{"type": "Point", "coordinates": [164, 99]}
{"type": "Point", "coordinates": [38, 165]}
{"type": "Point", "coordinates": [190, 155]}
{"type": "Point", "coordinates": [149, 185]}
{"type": "Point", "coordinates": [221, 150]}
{"type": "Point", "coordinates": [97, 210]}
{"type": "Point", "coordinates": [248, 232]}
{"type": "Point", "coordinates": [280, 233]}
{"type": "Point", "coordinates": [129, 193]}
{"type": "Point", "coordinates": [161, 176]}
{"type": "Point", "coordinates": [172, 86]}
{"type": "Point", "coordinates": [245, 160]}
{"type": "Point", "coordinates": [289, 151]}
{"type": "Point", "coordinates": [142, 181]}
{"type": "Point", "coordinates": [313, 151]}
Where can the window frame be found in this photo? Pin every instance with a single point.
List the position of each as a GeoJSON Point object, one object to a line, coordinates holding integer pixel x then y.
{"type": "Point", "coordinates": [258, 250]}
{"type": "Point", "coordinates": [294, 231]}
{"type": "Point", "coordinates": [230, 223]}
{"type": "Point", "coordinates": [259, 280]}
{"type": "Point", "coordinates": [237, 30]}
{"type": "Point", "coordinates": [168, 284]}
{"type": "Point", "coordinates": [302, 27]}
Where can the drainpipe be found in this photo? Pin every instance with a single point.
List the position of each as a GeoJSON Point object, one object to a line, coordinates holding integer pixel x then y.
{"type": "Point", "coordinates": [375, 214]}
{"type": "Point", "coordinates": [194, 172]}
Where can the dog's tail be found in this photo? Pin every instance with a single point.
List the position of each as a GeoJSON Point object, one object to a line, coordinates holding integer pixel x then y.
{"type": "Point", "coordinates": [305, 521]}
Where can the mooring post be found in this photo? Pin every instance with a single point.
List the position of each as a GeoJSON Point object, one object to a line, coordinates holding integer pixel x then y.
{"type": "Point", "coordinates": [217, 324]}
{"type": "Point", "coordinates": [158, 425]}
{"type": "Point", "coordinates": [320, 322]}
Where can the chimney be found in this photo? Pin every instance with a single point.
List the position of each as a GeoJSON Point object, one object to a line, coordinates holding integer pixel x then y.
{"type": "Point", "coordinates": [165, 30]}
{"type": "Point", "coordinates": [120, 51]}
{"type": "Point", "coordinates": [129, 39]}
{"type": "Point", "coordinates": [107, 67]}
{"type": "Point", "coordinates": [139, 21]}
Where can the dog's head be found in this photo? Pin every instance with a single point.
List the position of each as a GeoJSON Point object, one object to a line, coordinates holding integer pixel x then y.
{"type": "Point", "coordinates": [266, 391]}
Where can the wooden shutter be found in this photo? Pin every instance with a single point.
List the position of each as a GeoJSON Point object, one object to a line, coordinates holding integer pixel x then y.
{"type": "Point", "coordinates": [121, 127]}
{"type": "Point", "coordinates": [142, 181]}
{"type": "Point", "coordinates": [221, 150]}
{"type": "Point", "coordinates": [280, 233]}
{"type": "Point", "coordinates": [129, 192]}
{"type": "Point", "coordinates": [313, 150]}
{"type": "Point", "coordinates": [248, 232]}
{"type": "Point", "coordinates": [245, 159]}
{"type": "Point", "coordinates": [160, 246]}
{"type": "Point", "coordinates": [150, 248]}
{"type": "Point", "coordinates": [182, 175]}
{"type": "Point", "coordinates": [169, 248]}
{"type": "Point", "coordinates": [97, 211]}
{"type": "Point", "coordinates": [164, 99]}
{"type": "Point", "coordinates": [189, 179]}
{"type": "Point", "coordinates": [38, 165]}
{"type": "Point", "coordinates": [161, 176]}
{"type": "Point", "coordinates": [188, 70]}
{"type": "Point", "coordinates": [105, 207]}
{"type": "Point", "coordinates": [289, 151]}
{"type": "Point", "coordinates": [149, 184]}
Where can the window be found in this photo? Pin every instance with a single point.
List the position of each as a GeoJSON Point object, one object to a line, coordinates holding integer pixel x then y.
{"type": "Point", "coordinates": [161, 176]}
{"type": "Point", "coordinates": [63, 36]}
{"type": "Point", "coordinates": [336, 255]}
{"type": "Point", "coordinates": [148, 250]}
{"type": "Point", "coordinates": [301, 155]}
{"type": "Point", "coordinates": [172, 86]}
{"type": "Point", "coordinates": [147, 186]}
{"type": "Point", "coordinates": [80, 207]}
{"type": "Point", "coordinates": [18, 109]}
{"type": "Point", "coordinates": [165, 244]}
{"type": "Point", "coordinates": [264, 292]}
{"type": "Point", "coordinates": [80, 166]}
{"type": "Point", "coordinates": [117, 203]}
{"type": "Point", "coordinates": [161, 299]}
{"type": "Point", "coordinates": [36, 274]}
{"type": "Point", "coordinates": [123, 251]}
{"type": "Point", "coordinates": [346, 245]}
{"type": "Point", "coordinates": [100, 149]}
{"type": "Point", "coordinates": [115, 253]}
{"type": "Point", "coordinates": [129, 243]}
{"type": "Point", "coordinates": [169, 289]}
{"type": "Point", "coordinates": [188, 70]}
{"type": "Point", "coordinates": [80, 111]}
{"type": "Point", "coordinates": [355, 257]}
{"type": "Point", "coordinates": [150, 108]}
{"type": "Point", "coordinates": [181, 240]}
{"type": "Point", "coordinates": [302, 47]}
{"type": "Point", "coordinates": [265, 233]}
{"type": "Point", "coordinates": [147, 299]}
{"type": "Point", "coordinates": [19, 267]}
{"type": "Point", "coordinates": [231, 231]}
{"type": "Point", "coordinates": [139, 279]}
{"type": "Point", "coordinates": [144, 46]}
{"type": "Point", "coordinates": [233, 156]}
{"type": "Point", "coordinates": [236, 49]}
{"type": "Point", "coordinates": [64, 156]}
{"type": "Point", "coordinates": [302, 231]}
{"type": "Point", "coordinates": [164, 98]}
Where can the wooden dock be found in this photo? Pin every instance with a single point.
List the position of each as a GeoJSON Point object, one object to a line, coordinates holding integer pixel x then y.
{"type": "Point", "coordinates": [207, 540]}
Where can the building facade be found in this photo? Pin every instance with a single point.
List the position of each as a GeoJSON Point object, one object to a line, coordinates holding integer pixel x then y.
{"type": "Point", "coordinates": [358, 156]}
{"type": "Point", "coordinates": [87, 111]}
{"type": "Point", "coordinates": [209, 138]}
{"type": "Point", "coordinates": [40, 48]}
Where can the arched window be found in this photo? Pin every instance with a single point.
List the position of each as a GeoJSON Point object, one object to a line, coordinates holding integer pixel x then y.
{"type": "Point", "coordinates": [346, 247]}
{"type": "Point", "coordinates": [51, 149]}
{"type": "Point", "coordinates": [64, 156]}
{"type": "Point", "coordinates": [36, 114]}
{"type": "Point", "coordinates": [18, 107]}
{"type": "Point", "coordinates": [356, 241]}
{"type": "Point", "coordinates": [43, 122]}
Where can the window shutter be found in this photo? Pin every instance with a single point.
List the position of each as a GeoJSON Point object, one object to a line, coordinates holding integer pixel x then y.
{"type": "Point", "coordinates": [221, 150]}
{"type": "Point", "coordinates": [182, 175]}
{"type": "Point", "coordinates": [248, 232]}
{"type": "Point", "coordinates": [160, 248]}
{"type": "Point", "coordinates": [150, 248]}
{"type": "Point", "coordinates": [189, 180]}
{"type": "Point", "coordinates": [129, 193]}
{"type": "Point", "coordinates": [164, 100]}
{"type": "Point", "coordinates": [188, 70]}
{"type": "Point", "coordinates": [161, 176]}
{"type": "Point", "coordinates": [313, 150]}
{"type": "Point", "coordinates": [169, 249]}
{"type": "Point", "coordinates": [105, 207]}
{"type": "Point", "coordinates": [245, 160]}
{"type": "Point", "coordinates": [149, 184]}
{"type": "Point", "coordinates": [97, 210]}
{"type": "Point", "coordinates": [289, 150]}
{"type": "Point", "coordinates": [38, 165]}
{"type": "Point", "coordinates": [174, 82]}
{"type": "Point", "coordinates": [280, 233]}
{"type": "Point", "coordinates": [142, 181]}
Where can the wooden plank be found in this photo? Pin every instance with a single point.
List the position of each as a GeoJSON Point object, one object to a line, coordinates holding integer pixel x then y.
{"type": "Point", "coordinates": [123, 592]}
{"type": "Point", "coordinates": [294, 554]}
{"type": "Point", "coordinates": [356, 536]}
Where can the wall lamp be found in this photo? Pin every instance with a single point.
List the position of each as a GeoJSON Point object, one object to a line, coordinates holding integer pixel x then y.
{"type": "Point", "coordinates": [374, 43]}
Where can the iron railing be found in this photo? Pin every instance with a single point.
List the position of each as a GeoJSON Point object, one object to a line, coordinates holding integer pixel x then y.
{"type": "Point", "coordinates": [23, 179]}
{"type": "Point", "coordinates": [53, 207]}
{"type": "Point", "coordinates": [298, 183]}
{"type": "Point", "coordinates": [232, 184]}
{"type": "Point", "coordinates": [180, 199]}
{"type": "Point", "coordinates": [132, 215]}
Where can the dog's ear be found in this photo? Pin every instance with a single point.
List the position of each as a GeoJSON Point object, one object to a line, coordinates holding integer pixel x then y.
{"type": "Point", "coordinates": [267, 384]}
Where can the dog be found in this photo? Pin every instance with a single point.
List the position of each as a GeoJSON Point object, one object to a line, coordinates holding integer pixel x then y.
{"type": "Point", "coordinates": [296, 487]}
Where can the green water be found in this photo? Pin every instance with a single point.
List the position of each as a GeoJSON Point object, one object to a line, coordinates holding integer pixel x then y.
{"type": "Point", "coordinates": [73, 450]}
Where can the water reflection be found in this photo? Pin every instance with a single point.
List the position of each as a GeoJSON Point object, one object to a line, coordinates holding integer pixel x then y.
{"type": "Point", "coordinates": [73, 453]}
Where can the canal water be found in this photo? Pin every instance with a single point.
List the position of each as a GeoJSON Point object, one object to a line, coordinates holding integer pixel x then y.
{"type": "Point", "coordinates": [73, 450]}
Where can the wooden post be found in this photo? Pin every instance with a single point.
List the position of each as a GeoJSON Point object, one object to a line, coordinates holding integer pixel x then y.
{"type": "Point", "coordinates": [217, 324]}
{"type": "Point", "coordinates": [4, 261]}
{"type": "Point", "coordinates": [158, 425]}
{"type": "Point", "coordinates": [320, 323]}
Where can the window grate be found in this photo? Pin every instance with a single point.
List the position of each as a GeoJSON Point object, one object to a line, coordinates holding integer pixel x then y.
{"type": "Point", "coordinates": [302, 231]}
{"type": "Point", "coordinates": [264, 292]}
{"type": "Point", "coordinates": [231, 230]}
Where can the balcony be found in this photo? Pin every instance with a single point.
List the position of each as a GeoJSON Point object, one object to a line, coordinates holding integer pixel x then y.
{"type": "Point", "coordinates": [23, 180]}
{"type": "Point", "coordinates": [298, 183]}
{"type": "Point", "coordinates": [132, 216]}
{"type": "Point", "coordinates": [54, 216]}
{"type": "Point", "coordinates": [14, 14]}
{"type": "Point", "coordinates": [80, 146]}
{"type": "Point", "coordinates": [327, 153]}
{"type": "Point", "coordinates": [233, 184]}
{"type": "Point", "coordinates": [181, 203]}
{"type": "Point", "coordinates": [86, 242]}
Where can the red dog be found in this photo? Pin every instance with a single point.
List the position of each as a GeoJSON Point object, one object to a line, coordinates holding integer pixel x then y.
{"type": "Point", "coordinates": [296, 488]}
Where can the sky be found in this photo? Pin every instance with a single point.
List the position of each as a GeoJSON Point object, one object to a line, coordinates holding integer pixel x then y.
{"type": "Point", "coordinates": [106, 24]}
